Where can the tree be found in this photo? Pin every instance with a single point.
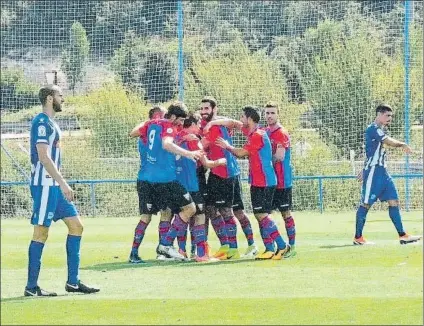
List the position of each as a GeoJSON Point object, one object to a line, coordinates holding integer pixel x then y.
{"type": "Point", "coordinates": [75, 56]}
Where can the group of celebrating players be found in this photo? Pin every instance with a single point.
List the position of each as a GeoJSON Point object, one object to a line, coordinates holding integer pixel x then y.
{"type": "Point", "coordinates": [177, 147]}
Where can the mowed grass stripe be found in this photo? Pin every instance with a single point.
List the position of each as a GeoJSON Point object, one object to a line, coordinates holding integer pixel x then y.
{"type": "Point", "coordinates": [328, 282]}
{"type": "Point", "coordinates": [301, 311]}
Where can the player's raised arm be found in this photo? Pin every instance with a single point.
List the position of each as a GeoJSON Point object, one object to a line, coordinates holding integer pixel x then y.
{"type": "Point", "coordinates": [212, 164]}
{"type": "Point", "coordinates": [396, 143]}
{"type": "Point", "coordinates": [136, 131]}
{"type": "Point", "coordinates": [226, 122]}
{"type": "Point", "coordinates": [169, 145]}
{"type": "Point", "coordinates": [239, 152]}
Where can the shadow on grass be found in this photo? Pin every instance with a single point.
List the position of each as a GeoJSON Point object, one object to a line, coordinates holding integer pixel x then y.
{"type": "Point", "coordinates": [104, 267]}
{"type": "Point", "coordinates": [337, 246]}
{"type": "Point", "coordinates": [23, 298]}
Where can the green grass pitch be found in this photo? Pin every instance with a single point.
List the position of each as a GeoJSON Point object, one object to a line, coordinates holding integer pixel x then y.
{"type": "Point", "coordinates": [330, 281]}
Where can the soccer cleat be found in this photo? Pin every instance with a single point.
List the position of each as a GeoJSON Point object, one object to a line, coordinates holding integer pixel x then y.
{"type": "Point", "coordinates": [135, 259]}
{"type": "Point", "coordinates": [361, 242]}
{"type": "Point", "coordinates": [183, 253]}
{"type": "Point", "coordinates": [221, 254]}
{"type": "Point", "coordinates": [170, 252]}
{"type": "Point", "coordinates": [265, 255]}
{"type": "Point", "coordinates": [233, 253]}
{"type": "Point", "coordinates": [251, 252]}
{"type": "Point", "coordinates": [38, 292]}
{"type": "Point", "coordinates": [291, 253]}
{"type": "Point", "coordinates": [81, 288]}
{"type": "Point", "coordinates": [282, 253]}
{"type": "Point", "coordinates": [164, 258]}
{"type": "Point", "coordinates": [407, 238]}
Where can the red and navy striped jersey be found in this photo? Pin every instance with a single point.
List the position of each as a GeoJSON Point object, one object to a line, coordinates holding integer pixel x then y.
{"type": "Point", "coordinates": [215, 152]}
{"type": "Point", "coordinates": [283, 169]}
{"type": "Point", "coordinates": [261, 171]}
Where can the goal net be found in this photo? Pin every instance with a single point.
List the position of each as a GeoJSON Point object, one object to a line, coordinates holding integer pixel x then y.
{"type": "Point", "coordinates": [326, 63]}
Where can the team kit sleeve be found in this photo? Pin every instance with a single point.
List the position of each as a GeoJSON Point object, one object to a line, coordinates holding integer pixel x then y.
{"type": "Point", "coordinates": [168, 130]}
{"type": "Point", "coordinates": [143, 130]}
{"type": "Point", "coordinates": [284, 139]}
{"type": "Point", "coordinates": [43, 132]}
{"type": "Point", "coordinates": [378, 134]}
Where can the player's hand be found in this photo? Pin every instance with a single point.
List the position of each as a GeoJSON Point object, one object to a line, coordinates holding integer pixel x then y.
{"type": "Point", "coordinates": [359, 176]}
{"type": "Point", "coordinates": [221, 161]}
{"type": "Point", "coordinates": [195, 155]}
{"type": "Point", "coordinates": [67, 191]}
{"type": "Point", "coordinates": [207, 127]}
{"type": "Point", "coordinates": [406, 149]}
{"type": "Point", "coordinates": [221, 142]}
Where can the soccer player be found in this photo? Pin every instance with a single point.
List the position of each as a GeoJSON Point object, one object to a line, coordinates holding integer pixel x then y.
{"type": "Point", "coordinates": [262, 178]}
{"type": "Point", "coordinates": [209, 112]}
{"type": "Point", "coordinates": [281, 157]}
{"type": "Point", "coordinates": [157, 112]}
{"type": "Point", "coordinates": [52, 196]}
{"type": "Point", "coordinates": [187, 175]}
{"type": "Point", "coordinates": [163, 188]}
{"type": "Point", "coordinates": [220, 187]}
{"type": "Point", "coordinates": [376, 181]}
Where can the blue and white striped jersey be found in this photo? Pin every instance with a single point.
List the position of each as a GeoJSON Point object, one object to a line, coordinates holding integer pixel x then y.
{"type": "Point", "coordinates": [375, 152]}
{"type": "Point", "coordinates": [44, 131]}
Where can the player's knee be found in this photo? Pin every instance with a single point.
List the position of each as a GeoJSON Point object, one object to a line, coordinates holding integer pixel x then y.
{"type": "Point", "coordinates": [188, 211]}
{"type": "Point", "coordinates": [77, 229]}
{"type": "Point", "coordinates": [75, 226]}
{"type": "Point", "coordinates": [165, 215]}
{"type": "Point", "coordinates": [286, 214]}
{"type": "Point", "coordinates": [191, 209]}
{"type": "Point", "coordinates": [226, 211]}
{"type": "Point", "coordinates": [40, 234]}
{"type": "Point", "coordinates": [239, 214]}
{"type": "Point", "coordinates": [210, 212]}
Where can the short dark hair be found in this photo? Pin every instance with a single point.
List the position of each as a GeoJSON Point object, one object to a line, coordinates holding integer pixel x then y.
{"type": "Point", "coordinates": [45, 91]}
{"type": "Point", "coordinates": [155, 110]}
{"type": "Point", "coordinates": [177, 108]}
{"type": "Point", "coordinates": [382, 108]}
{"type": "Point", "coordinates": [211, 100]}
{"type": "Point", "coordinates": [253, 113]}
{"type": "Point", "coordinates": [192, 117]}
{"type": "Point", "coordinates": [272, 104]}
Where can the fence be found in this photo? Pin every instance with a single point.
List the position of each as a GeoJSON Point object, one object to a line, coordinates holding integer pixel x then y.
{"type": "Point", "coordinates": [327, 64]}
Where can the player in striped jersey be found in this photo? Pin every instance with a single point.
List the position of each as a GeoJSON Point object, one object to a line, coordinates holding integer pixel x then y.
{"type": "Point", "coordinates": [52, 196]}
{"type": "Point", "coordinates": [376, 181]}
{"type": "Point", "coordinates": [223, 188]}
{"type": "Point", "coordinates": [262, 178]}
{"type": "Point", "coordinates": [281, 151]}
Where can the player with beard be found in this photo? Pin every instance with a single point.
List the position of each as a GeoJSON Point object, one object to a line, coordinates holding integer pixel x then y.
{"type": "Point", "coordinates": [223, 189]}
{"type": "Point", "coordinates": [52, 196]}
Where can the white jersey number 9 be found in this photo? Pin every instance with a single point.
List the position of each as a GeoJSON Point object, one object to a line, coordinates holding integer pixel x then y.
{"type": "Point", "coordinates": [152, 134]}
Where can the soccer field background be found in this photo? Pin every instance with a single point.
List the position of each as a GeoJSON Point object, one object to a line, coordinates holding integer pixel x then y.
{"type": "Point", "coordinates": [330, 281]}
